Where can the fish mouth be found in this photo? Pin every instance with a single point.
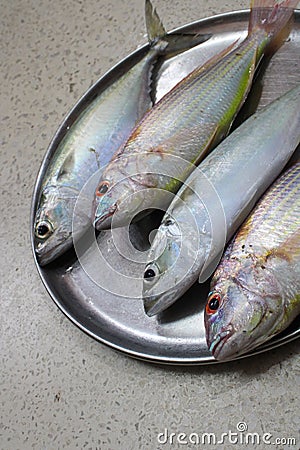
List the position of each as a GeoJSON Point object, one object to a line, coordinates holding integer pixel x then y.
{"type": "Point", "coordinates": [44, 256]}
{"type": "Point", "coordinates": [155, 304]}
{"type": "Point", "coordinates": [49, 250]}
{"type": "Point", "coordinates": [219, 341]}
{"type": "Point", "coordinates": [151, 306]}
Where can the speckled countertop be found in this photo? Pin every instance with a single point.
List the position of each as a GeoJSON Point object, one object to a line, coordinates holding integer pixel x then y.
{"type": "Point", "coordinates": [59, 388]}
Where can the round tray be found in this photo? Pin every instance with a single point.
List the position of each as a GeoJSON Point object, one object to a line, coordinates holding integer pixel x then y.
{"type": "Point", "coordinates": [176, 336]}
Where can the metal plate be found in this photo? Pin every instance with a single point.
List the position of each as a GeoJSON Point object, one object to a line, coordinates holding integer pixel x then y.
{"type": "Point", "coordinates": [177, 336]}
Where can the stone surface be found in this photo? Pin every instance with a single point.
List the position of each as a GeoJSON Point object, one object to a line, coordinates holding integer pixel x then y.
{"type": "Point", "coordinates": [59, 388]}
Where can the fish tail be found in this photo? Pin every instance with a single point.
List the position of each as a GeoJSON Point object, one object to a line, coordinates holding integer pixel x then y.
{"type": "Point", "coordinates": [154, 25]}
{"type": "Point", "coordinates": [168, 44]}
{"type": "Point", "coordinates": [274, 18]}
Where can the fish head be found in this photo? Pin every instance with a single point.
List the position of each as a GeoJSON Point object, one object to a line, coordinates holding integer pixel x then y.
{"type": "Point", "coordinates": [164, 252]}
{"type": "Point", "coordinates": [170, 269]}
{"type": "Point", "coordinates": [116, 203]}
{"type": "Point", "coordinates": [241, 311]}
{"type": "Point", "coordinates": [53, 222]}
{"type": "Point", "coordinates": [105, 203]}
{"type": "Point", "coordinates": [121, 194]}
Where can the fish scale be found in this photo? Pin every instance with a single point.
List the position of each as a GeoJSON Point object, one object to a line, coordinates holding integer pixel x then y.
{"type": "Point", "coordinates": [213, 93]}
{"type": "Point", "coordinates": [258, 279]}
{"type": "Point", "coordinates": [263, 226]}
{"type": "Point", "coordinates": [187, 122]}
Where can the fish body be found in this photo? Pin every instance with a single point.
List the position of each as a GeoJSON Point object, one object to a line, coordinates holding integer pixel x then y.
{"type": "Point", "coordinates": [255, 292]}
{"type": "Point", "coordinates": [216, 199]}
{"type": "Point", "coordinates": [87, 147]}
{"type": "Point", "coordinates": [186, 123]}
{"type": "Point", "coordinates": [92, 140]}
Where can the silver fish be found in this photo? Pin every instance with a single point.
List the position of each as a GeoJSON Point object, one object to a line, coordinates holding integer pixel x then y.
{"type": "Point", "coordinates": [216, 199]}
{"type": "Point", "coordinates": [255, 292]}
{"type": "Point", "coordinates": [186, 123]}
{"type": "Point", "coordinates": [92, 140]}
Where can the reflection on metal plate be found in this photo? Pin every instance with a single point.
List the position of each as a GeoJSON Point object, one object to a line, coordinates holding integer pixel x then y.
{"type": "Point", "coordinates": [177, 336]}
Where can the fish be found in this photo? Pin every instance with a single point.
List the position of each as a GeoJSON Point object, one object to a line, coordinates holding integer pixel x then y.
{"type": "Point", "coordinates": [216, 199]}
{"type": "Point", "coordinates": [255, 291]}
{"type": "Point", "coordinates": [94, 137]}
{"type": "Point", "coordinates": [187, 122]}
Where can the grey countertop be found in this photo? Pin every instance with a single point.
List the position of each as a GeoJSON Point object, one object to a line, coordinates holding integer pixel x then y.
{"type": "Point", "coordinates": [60, 388]}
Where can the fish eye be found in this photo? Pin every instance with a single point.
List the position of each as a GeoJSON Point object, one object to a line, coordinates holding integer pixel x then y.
{"type": "Point", "coordinates": [168, 222]}
{"type": "Point", "coordinates": [43, 229]}
{"type": "Point", "coordinates": [213, 303]}
{"type": "Point", "coordinates": [150, 273]}
{"type": "Point", "coordinates": [102, 188]}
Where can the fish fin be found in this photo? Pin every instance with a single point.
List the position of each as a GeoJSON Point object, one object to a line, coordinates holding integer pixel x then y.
{"type": "Point", "coordinates": [273, 18]}
{"type": "Point", "coordinates": [67, 166]}
{"type": "Point", "coordinates": [155, 28]}
{"type": "Point", "coordinates": [289, 250]}
{"type": "Point", "coordinates": [169, 43]}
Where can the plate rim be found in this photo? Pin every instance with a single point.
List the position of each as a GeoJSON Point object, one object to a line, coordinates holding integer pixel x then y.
{"type": "Point", "coordinates": [103, 82]}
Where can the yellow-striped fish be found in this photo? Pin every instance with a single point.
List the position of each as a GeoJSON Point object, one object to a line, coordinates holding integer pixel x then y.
{"type": "Point", "coordinates": [255, 292]}
{"type": "Point", "coordinates": [186, 123]}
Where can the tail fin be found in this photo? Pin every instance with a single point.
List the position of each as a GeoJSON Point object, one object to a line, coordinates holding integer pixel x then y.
{"type": "Point", "coordinates": [273, 17]}
{"type": "Point", "coordinates": [154, 25]}
{"type": "Point", "coordinates": [170, 43]}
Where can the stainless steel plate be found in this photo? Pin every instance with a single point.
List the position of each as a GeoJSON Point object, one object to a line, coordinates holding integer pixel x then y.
{"type": "Point", "coordinates": [176, 336]}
